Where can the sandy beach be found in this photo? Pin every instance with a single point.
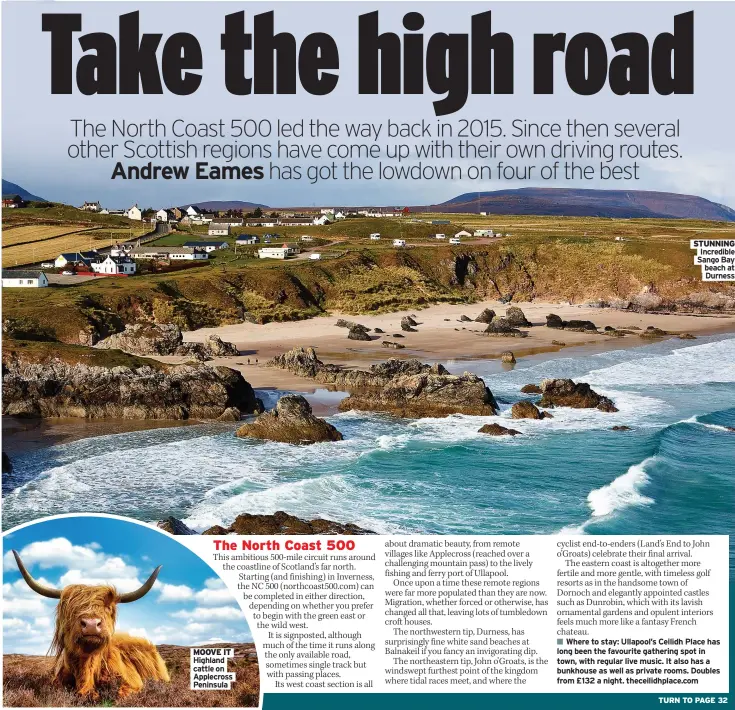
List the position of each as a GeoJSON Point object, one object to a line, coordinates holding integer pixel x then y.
{"type": "Point", "coordinates": [440, 337]}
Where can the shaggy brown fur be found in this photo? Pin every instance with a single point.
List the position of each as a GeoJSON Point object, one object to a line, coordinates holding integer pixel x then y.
{"type": "Point", "coordinates": [84, 663]}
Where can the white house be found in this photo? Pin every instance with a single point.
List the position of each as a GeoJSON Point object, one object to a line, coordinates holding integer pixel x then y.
{"type": "Point", "coordinates": [282, 252]}
{"type": "Point", "coordinates": [483, 233]}
{"type": "Point", "coordinates": [207, 246]}
{"type": "Point", "coordinates": [375, 237]}
{"type": "Point", "coordinates": [218, 229]}
{"type": "Point", "coordinates": [315, 256]}
{"type": "Point", "coordinates": [231, 221]}
{"type": "Point", "coordinates": [172, 253]}
{"type": "Point", "coordinates": [24, 279]}
{"type": "Point", "coordinates": [76, 258]}
{"type": "Point", "coordinates": [115, 265]}
{"type": "Point", "coordinates": [399, 242]}
{"type": "Point", "coordinates": [440, 236]}
{"type": "Point", "coordinates": [455, 240]}
{"type": "Point", "coordinates": [306, 238]}
{"type": "Point", "coordinates": [483, 214]}
{"type": "Point", "coordinates": [192, 211]}
{"type": "Point", "coordinates": [322, 220]}
{"type": "Point", "coordinates": [91, 207]}
{"type": "Point", "coordinates": [162, 215]}
{"type": "Point", "coordinates": [134, 213]}
{"type": "Point", "coordinates": [245, 239]}
{"type": "Point", "coordinates": [462, 233]}
{"type": "Point", "coordinates": [340, 215]}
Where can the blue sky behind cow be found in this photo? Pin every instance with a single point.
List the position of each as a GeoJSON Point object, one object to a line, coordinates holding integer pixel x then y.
{"type": "Point", "coordinates": [188, 605]}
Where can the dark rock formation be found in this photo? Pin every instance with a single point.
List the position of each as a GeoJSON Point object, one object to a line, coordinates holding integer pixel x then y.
{"type": "Point", "coordinates": [7, 464]}
{"type": "Point", "coordinates": [165, 339]}
{"type": "Point", "coordinates": [408, 321]}
{"type": "Point", "coordinates": [426, 395]}
{"type": "Point", "coordinates": [466, 319]}
{"type": "Point", "coordinates": [501, 327]}
{"type": "Point", "coordinates": [516, 317]}
{"type": "Point", "coordinates": [398, 335]}
{"type": "Point", "coordinates": [350, 325]}
{"type": "Point", "coordinates": [652, 332]}
{"type": "Point", "coordinates": [290, 422]}
{"type": "Point", "coordinates": [531, 389]}
{"type": "Point", "coordinates": [175, 526]}
{"type": "Point", "coordinates": [60, 389]}
{"type": "Point", "coordinates": [281, 523]}
{"type": "Point", "coordinates": [378, 330]}
{"type": "Point", "coordinates": [620, 427]}
{"type": "Point", "coordinates": [559, 343]}
{"type": "Point", "coordinates": [358, 334]}
{"type": "Point", "coordinates": [408, 328]}
{"type": "Point", "coordinates": [497, 430]}
{"type": "Point", "coordinates": [391, 344]}
{"type": "Point", "coordinates": [405, 387]}
{"type": "Point", "coordinates": [554, 321]}
{"type": "Point", "coordinates": [508, 357]}
{"type": "Point", "coordinates": [485, 317]}
{"type": "Point", "coordinates": [527, 410]}
{"type": "Point", "coordinates": [567, 393]}
{"type": "Point", "coordinates": [687, 336]}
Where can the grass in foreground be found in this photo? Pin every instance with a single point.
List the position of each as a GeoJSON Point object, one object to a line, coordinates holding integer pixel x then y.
{"type": "Point", "coordinates": [27, 683]}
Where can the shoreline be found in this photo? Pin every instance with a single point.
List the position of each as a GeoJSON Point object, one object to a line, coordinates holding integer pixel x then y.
{"type": "Point", "coordinates": [454, 344]}
{"type": "Point", "coordinates": [441, 337]}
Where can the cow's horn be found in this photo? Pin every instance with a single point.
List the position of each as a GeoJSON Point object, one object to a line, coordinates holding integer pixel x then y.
{"type": "Point", "coordinates": [141, 591]}
{"type": "Point", "coordinates": [49, 592]}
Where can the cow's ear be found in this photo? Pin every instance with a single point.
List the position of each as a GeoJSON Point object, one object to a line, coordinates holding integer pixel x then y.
{"type": "Point", "coordinates": [110, 597]}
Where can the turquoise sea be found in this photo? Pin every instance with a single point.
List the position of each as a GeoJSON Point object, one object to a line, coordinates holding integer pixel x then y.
{"type": "Point", "coordinates": [674, 472]}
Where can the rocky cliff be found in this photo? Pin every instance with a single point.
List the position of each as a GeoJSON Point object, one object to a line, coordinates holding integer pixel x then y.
{"type": "Point", "coordinates": [407, 388]}
{"type": "Point", "coordinates": [291, 421]}
{"type": "Point", "coordinates": [56, 387]}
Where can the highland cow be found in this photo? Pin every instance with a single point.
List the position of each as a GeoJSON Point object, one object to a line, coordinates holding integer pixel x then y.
{"type": "Point", "coordinates": [89, 654]}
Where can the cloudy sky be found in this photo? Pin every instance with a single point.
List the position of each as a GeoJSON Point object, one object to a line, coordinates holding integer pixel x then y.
{"type": "Point", "coordinates": [188, 605]}
{"type": "Point", "coordinates": [37, 125]}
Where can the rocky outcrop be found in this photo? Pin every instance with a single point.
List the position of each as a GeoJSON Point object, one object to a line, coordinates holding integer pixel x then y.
{"type": "Point", "coordinates": [342, 323]}
{"type": "Point", "coordinates": [531, 389]}
{"type": "Point", "coordinates": [486, 316]}
{"type": "Point", "coordinates": [391, 344]}
{"type": "Point", "coordinates": [497, 430]}
{"type": "Point", "coordinates": [281, 523]}
{"type": "Point", "coordinates": [467, 319]}
{"type": "Point", "coordinates": [408, 329]}
{"type": "Point", "coordinates": [527, 410]}
{"type": "Point", "coordinates": [426, 395]}
{"type": "Point", "coordinates": [174, 526]}
{"type": "Point", "coordinates": [687, 336]}
{"type": "Point", "coordinates": [620, 427]}
{"type": "Point", "coordinates": [61, 389]}
{"type": "Point", "coordinates": [517, 318]}
{"type": "Point", "coordinates": [653, 332]}
{"type": "Point", "coordinates": [378, 330]}
{"type": "Point", "coordinates": [554, 321]}
{"type": "Point", "coordinates": [290, 422]}
{"type": "Point", "coordinates": [408, 321]}
{"type": "Point", "coordinates": [404, 387]}
{"type": "Point", "coordinates": [165, 339]}
{"type": "Point", "coordinates": [501, 327]}
{"type": "Point", "coordinates": [217, 347]}
{"type": "Point", "coordinates": [7, 464]}
{"type": "Point", "coordinates": [508, 358]}
{"type": "Point", "coordinates": [358, 334]}
{"type": "Point", "coordinates": [567, 393]}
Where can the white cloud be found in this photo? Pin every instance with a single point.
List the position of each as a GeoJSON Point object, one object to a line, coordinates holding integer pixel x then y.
{"type": "Point", "coordinates": [174, 592]}
{"type": "Point", "coordinates": [210, 614]}
{"type": "Point", "coordinates": [122, 584]}
{"type": "Point", "coordinates": [24, 607]}
{"type": "Point", "coordinates": [57, 552]}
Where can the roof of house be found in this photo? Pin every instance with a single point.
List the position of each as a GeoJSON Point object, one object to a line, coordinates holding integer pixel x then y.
{"type": "Point", "coordinates": [12, 274]}
{"type": "Point", "coordinates": [219, 225]}
{"type": "Point", "coordinates": [12, 197]}
{"type": "Point", "coordinates": [79, 255]}
{"type": "Point", "coordinates": [162, 250]}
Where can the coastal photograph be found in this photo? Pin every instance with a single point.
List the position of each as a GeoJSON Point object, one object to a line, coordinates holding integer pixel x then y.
{"type": "Point", "coordinates": [528, 361]}
{"type": "Point", "coordinates": [102, 611]}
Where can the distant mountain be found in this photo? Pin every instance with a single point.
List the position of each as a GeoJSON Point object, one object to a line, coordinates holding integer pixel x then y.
{"type": "Point", "coordinates": [566, 202]}
{"type": "Point", "coordinates": [217, 205]}
{"type": "Point", "coordinates": [10, 188]}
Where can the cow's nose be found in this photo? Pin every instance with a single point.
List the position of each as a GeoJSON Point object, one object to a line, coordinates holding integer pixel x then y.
{"type": "Point", "coordinates": [91, 627]}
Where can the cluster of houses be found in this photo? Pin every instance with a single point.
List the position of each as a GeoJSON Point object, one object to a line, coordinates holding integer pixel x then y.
{"type": "Point", "coordinates": [12, 201]}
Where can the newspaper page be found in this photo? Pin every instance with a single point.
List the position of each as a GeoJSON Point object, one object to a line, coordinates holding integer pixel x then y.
{"type": "Point", "coordinates": [367, 354]}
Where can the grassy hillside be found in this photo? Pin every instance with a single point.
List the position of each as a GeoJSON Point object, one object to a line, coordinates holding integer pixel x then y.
{"type": "Point", "coordinates": [567, 259]}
